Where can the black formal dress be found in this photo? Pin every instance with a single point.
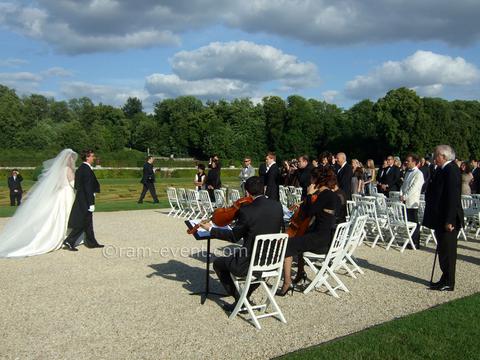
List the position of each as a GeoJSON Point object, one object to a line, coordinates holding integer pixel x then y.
{"type": "Point", "coordinates": [272, 182]}
{"type": "Point", "coordinates": [262, 216]}
{"type": "Point", "coordinates": [81, 219]}
{"type": "Point", "coordinates": [16, 191]}
{"type": "Point", "coordinates": [391, 178]}
{"type": "Point", "coordinates": [213, 179]}
{"type": "Point", "coordinates": [344, 179]}
{"type": "Point", "coordinates": [148, 181]}
{"type": "Point", "coordinates": [318, 237]}
{"type": "Point", "coordinates": [443, 206]}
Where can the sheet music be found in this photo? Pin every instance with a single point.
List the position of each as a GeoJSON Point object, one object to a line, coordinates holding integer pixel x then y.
{"type": "Point", "coordinates": [204, 233]}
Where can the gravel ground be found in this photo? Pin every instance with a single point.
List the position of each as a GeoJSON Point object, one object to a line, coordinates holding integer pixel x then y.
{"type": "Point", "coordinates": [131, 300]}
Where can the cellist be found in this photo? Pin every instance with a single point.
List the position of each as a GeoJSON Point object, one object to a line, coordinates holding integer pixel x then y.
{"type": "Point", "coordinates": [320, 206]}
{"type": "Point", "coordinates": [262, 216]}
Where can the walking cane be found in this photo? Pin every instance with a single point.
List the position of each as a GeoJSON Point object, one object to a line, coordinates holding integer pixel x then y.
{"type": "Point", "coordinates": [433, 268]}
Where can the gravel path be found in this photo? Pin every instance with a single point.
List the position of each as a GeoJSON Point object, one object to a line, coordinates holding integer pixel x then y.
{"type": "Point", "coordinates": [131, 300]}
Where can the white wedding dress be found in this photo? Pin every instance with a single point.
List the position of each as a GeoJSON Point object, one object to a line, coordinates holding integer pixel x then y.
{"type": "Point", "coordinates": [40, 223]}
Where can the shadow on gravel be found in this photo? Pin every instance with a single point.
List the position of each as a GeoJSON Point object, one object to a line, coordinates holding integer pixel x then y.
{"type": "Point", "coordinates": [396, 274]}
{"type": "Point", "coordinates": [466, 258]}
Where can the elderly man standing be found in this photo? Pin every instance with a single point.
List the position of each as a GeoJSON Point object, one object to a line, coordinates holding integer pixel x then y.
{"type": "Point", "coordinates": [410, 194]}
{"type": "Point", "coordinates": [247, 172]}
{"type": "Point", "coordinates": [344, 174]}
{"type": "Point", "coordinates": [444, 213]}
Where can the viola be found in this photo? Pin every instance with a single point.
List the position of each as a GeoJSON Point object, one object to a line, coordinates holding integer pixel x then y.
{"type": "Point", "coordinates": [299, 221]}
{"type": "Point", "coordinates": [224, 216]}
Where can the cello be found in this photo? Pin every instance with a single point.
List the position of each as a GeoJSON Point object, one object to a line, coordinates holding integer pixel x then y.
{"type": "Point", "coordinates": [224, 216]}
{"type": "Point", "coordinates": [299, 221]}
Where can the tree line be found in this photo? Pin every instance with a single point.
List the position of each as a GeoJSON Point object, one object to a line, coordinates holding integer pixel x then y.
{"type": "Point", "coordinates": [398, 123]}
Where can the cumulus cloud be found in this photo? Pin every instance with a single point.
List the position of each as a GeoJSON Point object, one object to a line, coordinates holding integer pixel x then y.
{"type": "Point", "coordinates": [111, 25]}
{"type": "Point", "coordinates": [105, 94]}
{"type": "Point", "coordinates": [23, 82]}
{"type": "Point", "coordinates": [425, 71]}
{"type": "Point", "coordinates": [331, 96]}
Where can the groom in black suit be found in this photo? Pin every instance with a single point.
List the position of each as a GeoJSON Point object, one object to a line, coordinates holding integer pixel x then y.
{"type": "Point", "coordinates": [444, 213]}
{"type": "Point", "coordinates": [15, 186]}
{"type": "Point", "coordinates": [81, 216]}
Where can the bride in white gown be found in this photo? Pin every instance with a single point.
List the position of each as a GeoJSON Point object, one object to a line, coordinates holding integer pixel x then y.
{"type": "Point", "coordinates": [40, 223]}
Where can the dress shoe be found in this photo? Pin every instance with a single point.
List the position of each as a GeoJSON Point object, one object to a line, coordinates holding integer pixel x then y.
{"type": "Point", "coordinates": [437, 285]}
{"type": "Point", "coordinates": [69, 246]}
{"type": "Point", "coordinates": [446, 288]}
{"type": "Point", "coordinates": [97, 245]}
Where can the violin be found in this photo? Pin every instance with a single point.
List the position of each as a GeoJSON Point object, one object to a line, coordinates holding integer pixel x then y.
{"type": "Point", "coordinates": [299, 222]}
{"type": "Point", "coordinates": [224, 216]}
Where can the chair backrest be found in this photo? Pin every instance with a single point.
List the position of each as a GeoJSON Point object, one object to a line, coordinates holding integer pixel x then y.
{"type": "Point", "coordinates": [182, 197]}
{"type": "Point", "coordinates": [220, 200]}
{"type": "Point", "coordinates": [356, 197]}
{"type": "Point", "coordinates": [397, 212]}
{"type": "Point", "coordinates": [268, 252]}
{"type": "Point", "coordinates": [172, 197]}
{"type": "Point", "coordinates": [394, 195]}
{"type": "Point", "coordinates": [233, 195]}
{"type": "Point", "coordinates": [355, 233]}
{"type": "Point", "coordinates": [467, 202]}
{"type": "Point", "coordinates": [205, 202]}
{"type": "Point", "coordinates": [350, 207]}
{"type": "Point", "coordinates": [283, 196]}
{"type": "Point", "coordinates": [338, 243]}
{"type": "Point", "coordinates": [298, 191]}
{"type": "Point", "coordinates": [367, 206]}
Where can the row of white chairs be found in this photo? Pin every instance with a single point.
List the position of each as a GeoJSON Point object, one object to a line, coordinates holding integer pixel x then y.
{"type": "Point", "coordinates": [266, 267]}
{"type": "Point", "coordinates": [290, 195]}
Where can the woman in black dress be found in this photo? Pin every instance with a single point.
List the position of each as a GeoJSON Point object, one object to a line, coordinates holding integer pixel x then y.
{"type": "Point", "coordinates": [318, 237]}
{"type": "Point", "coordinates": [213, 179]}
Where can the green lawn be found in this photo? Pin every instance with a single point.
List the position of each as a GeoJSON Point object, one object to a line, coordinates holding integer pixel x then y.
{"type": "Point", "coordinates": [448, 331]}
{"type": "Point", "coordinates": [118, 194]}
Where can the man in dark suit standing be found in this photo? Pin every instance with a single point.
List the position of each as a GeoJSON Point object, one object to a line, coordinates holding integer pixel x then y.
{"type": "Point", "coordinates": [344, 174]}
{"type": "Point", "coordinates": [444, 213]}
{"type": "Point", "coordinates": [262, 216]}
{"type": "Point", "coordinates": [304, 174]}
{"type": "Point", "coordinates": [148, 181]}
{"type": "Point", "coordinates": [272, 177]}
{"type": "Point", "coordinates": [81, 216]}
{"type": "Point", "coordinates": [476, 177]}
{"type": "Point", "coordinates": [15, 186]}
{"type": "Point", "coordinates": [390, 180]}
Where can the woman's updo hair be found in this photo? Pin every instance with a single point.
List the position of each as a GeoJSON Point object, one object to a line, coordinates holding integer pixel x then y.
{"type": "Point", "coordinates": [324, 177]}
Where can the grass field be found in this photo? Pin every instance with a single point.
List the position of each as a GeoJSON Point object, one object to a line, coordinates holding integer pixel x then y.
{"type": "Point", "coordinates": [117, 194]}
{"type": "Point", "coordinates": [448, 331]}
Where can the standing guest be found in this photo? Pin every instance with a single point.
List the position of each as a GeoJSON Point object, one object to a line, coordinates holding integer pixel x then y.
{"type": "Point", "coordinates": [325, 159]}
{"type": "Point", "coordinates": [81, 216]}
{"type": "Point", "coordinates": [148, 181]}
{"type": "Point", "coordinates": [344, 174]}
{"type": "Point", "coordinates": [467, 178]}
{"type": "Point", "coordinates": [293, 179]}
{"type": "Point", "coordinates": [304, 171]}
{"type": "Point", "coordinates": [476, 177]}
{"type": "Point", "coordinates": [251, 221]}
{"type": "Point", "coordinates": [315, 163]}
{"type": "Point", "coordinates": [423, 166]}
{"type": "Point", "coordinates": [272, 177]}
{"type": "Point", "coordinates": [200, 176]}
{"type": "Point", "coordinates": [357, 177]}
{"type": "Point", "coordinates": [213, 179]}
{"type": "Point", "coordinates": [15, 186]}
{"type": "Point", "coordinates": [247, 172]}
{"type": "Point", "coordinates": [370, 176]}
{"type": "Point", "coordinates": [382, 170]}
{"type": "Point", "coordinates": [444, 213]}
{"type": "Point", "coordinates": [410, 194]}
{"type": "Point", "coordinates": [285, 173]}
{"type": "Point", "coordinates": [390, 177]}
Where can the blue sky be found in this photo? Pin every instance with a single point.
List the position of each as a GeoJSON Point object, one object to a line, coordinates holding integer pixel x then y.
{"type": "Point", "coordinates": [340, 51]}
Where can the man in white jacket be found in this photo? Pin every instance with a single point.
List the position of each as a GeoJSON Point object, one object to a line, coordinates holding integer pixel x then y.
{"type": "Point", "coordinates": [410, 194]}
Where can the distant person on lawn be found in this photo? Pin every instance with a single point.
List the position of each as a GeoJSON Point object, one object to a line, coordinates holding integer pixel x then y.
{"type": "Point", "coordinates": [148, 181]}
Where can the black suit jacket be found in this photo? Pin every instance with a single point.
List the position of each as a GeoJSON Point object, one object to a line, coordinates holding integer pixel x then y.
{"type": "Point", "coordinates": [262, 216]}
{"type": "Point", "coordinates": [15, 184]}
{"type": "Point", "coordinates": [272, 182]}
{"type": "Point", "coordinates": [443, 199]}
{"type": "Point", "coordinates": [148, 174]}
{"type": "Point", "coordinates": [86, 185]}
{"type": "Point", "coordinates": [344, 179]}
{"type": "Point", "coordinates": [304, 178]}
{"type": "Point", "coordinates": [476, 180]}
{"type": "Point", "coordinates": [425, 169]}
{"type": "Point", "coordinates": [391, 178]}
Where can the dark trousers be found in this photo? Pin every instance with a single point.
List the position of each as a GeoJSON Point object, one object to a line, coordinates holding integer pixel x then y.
{"type": "Point", "coordinates": [412, 215]}
{"type": "Point", "coordinates": [447, 254]}
{"type": "Point", "coordinates": [148, 187]}
{"type": "Point", "coordinates": [87, 229]}
{"type": "Point", "coordinates": [15, 197]}
{"type": "Point", "coordinates": [221, 267]}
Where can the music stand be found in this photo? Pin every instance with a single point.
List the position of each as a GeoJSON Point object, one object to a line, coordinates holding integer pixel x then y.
{"type": "Point", "coordinates": [204, 235]}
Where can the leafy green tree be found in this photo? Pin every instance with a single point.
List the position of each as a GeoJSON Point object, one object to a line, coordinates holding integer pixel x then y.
{"type": "Point", "coordinates": [132, 107]}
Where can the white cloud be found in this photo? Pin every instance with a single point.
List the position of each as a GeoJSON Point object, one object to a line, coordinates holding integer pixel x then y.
{"type": "Point", "coordinates": [330, 96]}
{"type": "Point", "coordinates": [57, 71]}
{"type": "Point", "coordinates": [111, 25]}
{"type": "Point", "coordinates": [23, 82]}
{"type": "Point", "coordinates": [12, 62]}
{"type": "Point", "coordinates": [425, 71]}
{"type": "Point", "coordinates": [105, 94]}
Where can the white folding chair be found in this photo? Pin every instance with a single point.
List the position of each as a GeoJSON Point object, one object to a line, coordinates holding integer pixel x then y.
{"type": "Point", "coordinates": [375, 223]}
{"type": "Point", "coordinates": [175, 207]}
{"type": "Point", "coordinates": [324, 265]}
{"type": "Point", "coordinates": [354, 239]}
{"type": "Point", "coordinates": [283, 196]}
{"type": "Point", "coordinates": [431, 233]}
{"type": "Point", "coordinates": [233, 196]}
{"type": "Point", "coordinates": [266, 263]}
{"type": "Point", "coordinates": [220, 200]}
{"type": "Point", "coordinates": [205, 203]}
{"type": "Point", "coordinates": [394, 195]}
{"type": "Point", "coordinates": [192, 196]}
{"type": "Point", "coordinates": [356, 197]}
{"type": "Point", "coordinates": [182, 198]}
{"type": "Point", "coordinates": [399, 225]}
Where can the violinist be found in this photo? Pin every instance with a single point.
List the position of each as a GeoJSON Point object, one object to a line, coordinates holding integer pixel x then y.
{"type": "Point", "coordinates": [262, 216]}
{"type": "Point", "coordinates": [320, 206]}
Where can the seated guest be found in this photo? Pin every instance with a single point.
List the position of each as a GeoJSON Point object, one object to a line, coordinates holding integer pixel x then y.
{"type": "Point", "coordinates": [318, 236]}
{"type": "Point", "coordinates": [262, 216]}
{"type": "Point", "coordinates": [199, 180]}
